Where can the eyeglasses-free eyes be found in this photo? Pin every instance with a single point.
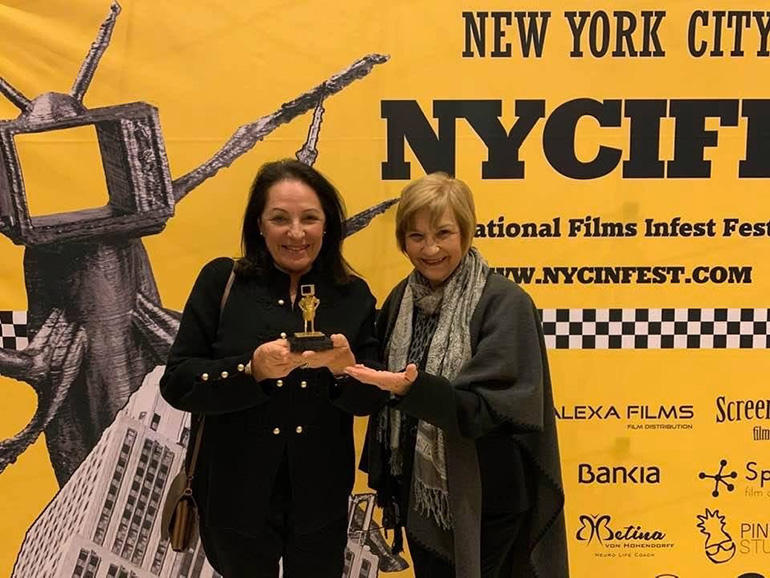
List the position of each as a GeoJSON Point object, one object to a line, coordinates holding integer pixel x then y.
{"type": "Point", "coordinates": [302, 223]}
{"type": "Point", "coordinates": [440, 238]}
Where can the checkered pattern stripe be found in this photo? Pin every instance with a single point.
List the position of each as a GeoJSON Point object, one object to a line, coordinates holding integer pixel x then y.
{"type": "Point", "coordinates": [656, 328]}
{"type": "Point", "coordinates": [13, 329]}
{"type": "Point", "coordinates": [593, 328]}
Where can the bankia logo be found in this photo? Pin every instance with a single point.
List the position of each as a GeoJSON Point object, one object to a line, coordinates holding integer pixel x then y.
{"type": "Point", "coordinates": [611, 539]}
{"type": "Point", "coordinates": [618, 475]}
{"type": "Point", "coordinates": [631, 416]}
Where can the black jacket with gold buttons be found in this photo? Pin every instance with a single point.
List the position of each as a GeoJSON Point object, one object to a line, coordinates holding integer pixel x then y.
{"type": "Point", "coordinates": [250, 426]}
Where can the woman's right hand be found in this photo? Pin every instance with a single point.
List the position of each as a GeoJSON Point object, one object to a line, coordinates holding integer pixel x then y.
{"type": "Point", "coordinates": [399, 383]}
{"type": "Point", "coordinates": [274, 359]}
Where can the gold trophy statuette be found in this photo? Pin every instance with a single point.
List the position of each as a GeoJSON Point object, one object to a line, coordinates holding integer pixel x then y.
{"type": "Point", "coordinates": [309, 339]}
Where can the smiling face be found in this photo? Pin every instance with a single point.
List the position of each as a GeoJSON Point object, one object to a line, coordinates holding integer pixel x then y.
{"type": "Point", "coordinates": [292, 224]}
{"type": "Point", "coordinates": [435, 249]}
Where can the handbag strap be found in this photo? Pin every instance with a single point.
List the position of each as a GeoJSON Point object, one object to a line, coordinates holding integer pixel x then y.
{"type": "Point", "coordinates": [194, 458]}
{"type": "Point", "coordinates": [226, 292]}
{"type": "Point", "coordinates": [199, 434]}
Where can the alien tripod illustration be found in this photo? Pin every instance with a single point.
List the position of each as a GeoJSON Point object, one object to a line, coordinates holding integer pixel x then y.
{"type": "Point", "coordinates": [96, 323]}
{"type": "Point", "coordinates": [95, 319]}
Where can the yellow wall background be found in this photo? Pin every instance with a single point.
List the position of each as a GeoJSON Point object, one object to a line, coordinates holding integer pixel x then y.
{"type": "Point", "coordinates": [211, 66]}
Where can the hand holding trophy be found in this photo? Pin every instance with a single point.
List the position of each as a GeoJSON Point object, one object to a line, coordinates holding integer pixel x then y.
{"type": "Point", "coordinates": [336, 359]}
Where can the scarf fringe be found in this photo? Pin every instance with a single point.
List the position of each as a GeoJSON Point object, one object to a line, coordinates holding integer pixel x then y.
{"type": "Point", "coordinates": [433, 503]}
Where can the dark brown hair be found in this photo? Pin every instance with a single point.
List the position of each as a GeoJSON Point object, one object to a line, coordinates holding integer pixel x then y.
{"type": "Point", "coordinates": [256, 258]}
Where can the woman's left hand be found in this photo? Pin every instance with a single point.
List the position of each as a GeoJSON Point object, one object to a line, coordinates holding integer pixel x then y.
{"type": "Point", "coordinates": [398, 383]}
{"type": "Point", "coordinates": [336, 359]}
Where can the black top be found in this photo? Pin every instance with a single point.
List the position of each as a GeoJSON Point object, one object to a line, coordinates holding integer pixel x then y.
{"type": "Point", "coordinates": [305, 417]}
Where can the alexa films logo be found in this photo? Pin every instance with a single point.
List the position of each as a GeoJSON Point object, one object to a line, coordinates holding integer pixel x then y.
{"type": "Point", "coordinates": [633, 416]}
{"type": "Point", "coordinates": [613, 539]}
{"type": "Point", "coordinates": [755, 413]}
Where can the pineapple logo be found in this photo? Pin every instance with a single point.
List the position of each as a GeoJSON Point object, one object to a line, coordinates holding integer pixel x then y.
{"type": "Point", "coordinates": [719, 545]}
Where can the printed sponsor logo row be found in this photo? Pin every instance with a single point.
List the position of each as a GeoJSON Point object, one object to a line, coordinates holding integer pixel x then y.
{"type": "Point", "coordinates": [755, 474]}
{"type": "Point", "coordinates": [724, 535]}
{"type": "Point", "coordinates": [752, 412]}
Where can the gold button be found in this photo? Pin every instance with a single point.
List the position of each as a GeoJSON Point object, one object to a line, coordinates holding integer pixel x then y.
{"type": "Point", "coordinates": [299, 429]}
{"type": "Point", "coordinates": [281, 302]}
{"type": "Point", "coordinates": [205, 376]}
{"type": "Point", "coordinates": [303, 384]}
{"type": "Point", "coordinates": [283, 335]}
{"type": "Point", "coordinates": [241, 367]}
{"type": "Point", "coordinates": [276, 431]}
{"type": "Point", "coordinates": [224, 375]}
{"type": "Point", "coordinates": [279, 383]}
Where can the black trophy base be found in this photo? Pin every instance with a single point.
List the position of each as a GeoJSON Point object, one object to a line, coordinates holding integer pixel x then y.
{"type": "Point", "coordinates": [310, 342]}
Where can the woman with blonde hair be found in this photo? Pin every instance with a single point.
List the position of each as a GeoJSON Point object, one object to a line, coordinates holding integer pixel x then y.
{"type": "Point", "coordinates": [465, 456]}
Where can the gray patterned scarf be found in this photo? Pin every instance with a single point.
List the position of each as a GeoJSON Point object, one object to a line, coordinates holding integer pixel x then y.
{"type": "Point", "coordinates": [449, 350]}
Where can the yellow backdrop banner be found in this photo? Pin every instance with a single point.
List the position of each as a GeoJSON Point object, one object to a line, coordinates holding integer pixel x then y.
{"type": "Point", "coordinates": [619, 154]}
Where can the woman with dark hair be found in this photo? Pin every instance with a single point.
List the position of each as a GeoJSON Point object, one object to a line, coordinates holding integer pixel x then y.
{"type": "Point", "coordinates": [276, 465]}
{"type": "Point", "coordinates": [465, 456]}
{"type": "Point", "coordinates": [258, 258]}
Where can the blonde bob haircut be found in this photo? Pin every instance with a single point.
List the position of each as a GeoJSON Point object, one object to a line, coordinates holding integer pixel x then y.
{"type": "Point", "coordinates": [435, 193]}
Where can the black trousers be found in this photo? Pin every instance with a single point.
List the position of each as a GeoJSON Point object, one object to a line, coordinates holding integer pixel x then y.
{"type": "Point", "coordinates": [498, 537]}
{"type": "Point", "coordinates": [316, 555]}
{"type": "Point", "coordinates": [319, 554]}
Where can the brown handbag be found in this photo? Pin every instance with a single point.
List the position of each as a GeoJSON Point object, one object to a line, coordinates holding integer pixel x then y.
{"type": "Point", "coordinates": [179, 519]}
